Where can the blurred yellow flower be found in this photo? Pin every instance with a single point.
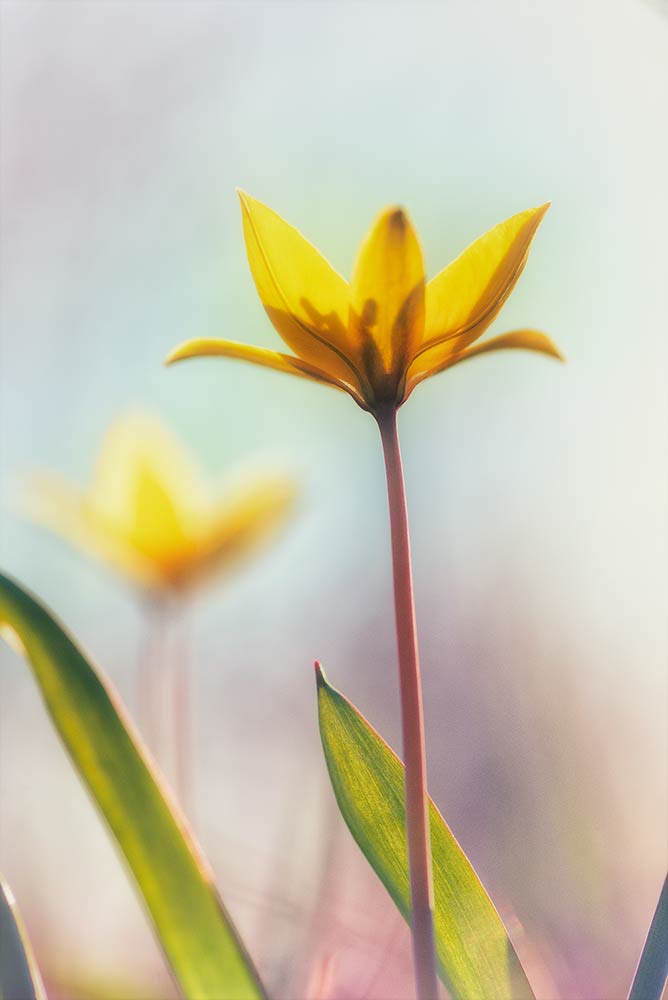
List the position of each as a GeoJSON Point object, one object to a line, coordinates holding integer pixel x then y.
{"type": "Point", "coordinates": [149, 514]}
{"type": "Point", "coordinates": [381, 335]}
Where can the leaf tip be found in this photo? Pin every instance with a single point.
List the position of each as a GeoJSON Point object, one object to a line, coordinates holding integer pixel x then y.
{"type": "Point", "coordinates": [320, 678]}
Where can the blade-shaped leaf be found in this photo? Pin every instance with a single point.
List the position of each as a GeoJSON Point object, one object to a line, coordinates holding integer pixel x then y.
{"type": "Point", "coordinates": [19, 975]}
{"type": "Point", "coordinates": [652, 972]}
{"type": "Point", "coordinates": [197, 936]}
{"type": "Point", "coordinates": [475, 956]}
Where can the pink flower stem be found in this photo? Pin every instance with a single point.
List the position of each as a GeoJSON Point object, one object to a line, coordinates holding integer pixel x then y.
{"type": "Point", "coordinates": [148, 671]}
{"type": "Point", "coordinates": [182, 711]}
{"type": "Point", "coordinates": [417, 814]}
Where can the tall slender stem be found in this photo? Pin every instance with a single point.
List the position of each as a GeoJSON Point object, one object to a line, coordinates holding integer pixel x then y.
{"type": "Point", "coordinates": [148, 672]}
{"type": "Point", "coordinates": [182, 714]}
{"type": "Point", "coordinates": [417, 814]}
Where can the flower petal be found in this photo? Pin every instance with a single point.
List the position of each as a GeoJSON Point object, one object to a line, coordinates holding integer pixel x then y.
{"type": "Point", "coordinates": [388, 299]}
{"type": "Point", "coordinates": [463, 299]}
{"type": "Point", "coordinates": [243, 518]}
{"type": "Point", "coordinates": [147, 486]}
{"type": "Point", "coordinates": [50, 501]}
{"type": "Point", "coordinates": [305, 298]}
{"type": "Point", "coordinates": [528, 340]}
{"type": "Point", "coordinates": [213, 347]}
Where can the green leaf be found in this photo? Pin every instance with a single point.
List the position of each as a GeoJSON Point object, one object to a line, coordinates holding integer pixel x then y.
{"type": "Point", "coordinates": [196, 934]}
{"type": "Point", "coordinates": [19, 975]}
{"type": "Point", "coordinates": [475, 956]}
{"type": "Point", "coordinates": [652, 972]}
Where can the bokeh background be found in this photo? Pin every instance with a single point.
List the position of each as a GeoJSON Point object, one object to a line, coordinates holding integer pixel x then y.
{"type": "Point", "coordinates": [537, 493]}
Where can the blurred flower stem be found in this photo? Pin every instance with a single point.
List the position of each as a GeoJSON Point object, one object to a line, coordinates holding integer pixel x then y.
{"type": "Point", "coordinates": [412, 721]}
{"type": "Point", "coordinates": [182, 707]}
{"type": "Point", "coordinates": [149, 664]}
{"type": "Point", "coordinates": [164, 691]}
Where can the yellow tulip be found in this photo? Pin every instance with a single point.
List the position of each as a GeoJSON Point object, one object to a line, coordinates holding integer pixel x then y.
{"type": "Point", "coordinates": [377, 338]}
{"type": "Point", "coordinates": [387, 330]}
{"type": "Point", "coordinates": [148, 512]}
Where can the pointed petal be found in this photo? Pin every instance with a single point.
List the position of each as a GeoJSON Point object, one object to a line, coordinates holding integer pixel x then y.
{"type": "Point", "coordinates": [245, 517]}
{"type": "Point", "coordinates": [387, 303]}
{"type": "Point", "coordinates": [146, 484]}
{"type": "Point", "coordinates": [212, 347]}
{"type": "Point", "coordinates": [528, 340]}
{"type": "Point", "coordinates": [463, 299]}
{"type": "Point", "coordinates": [305, 298]}
{"type": "Point", "coordinates": [50, 501]}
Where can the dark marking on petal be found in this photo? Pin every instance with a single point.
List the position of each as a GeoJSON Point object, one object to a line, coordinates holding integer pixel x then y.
{"type": "Point", "coordinates": [399, 221]}
{"type": "Point", "coordinates": [369, 315]}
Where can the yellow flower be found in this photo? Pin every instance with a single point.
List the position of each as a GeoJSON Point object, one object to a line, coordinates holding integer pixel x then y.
{"type": "Point", "coordinates": [148, 513]}
{"type": "Point", "coordinates": [381, 335]}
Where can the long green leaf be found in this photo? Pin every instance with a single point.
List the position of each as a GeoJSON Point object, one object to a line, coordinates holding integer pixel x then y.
{"type": "Point", "coordinates": [475, 956]}
{"type": "Point", "coordinates": [19, 975]}
{"type": "Point", "coordinates": [196, 934]}
{"type": "Point", "coordinates": [652, 972]}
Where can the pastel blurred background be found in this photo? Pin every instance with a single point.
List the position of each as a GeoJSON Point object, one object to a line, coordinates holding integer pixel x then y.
{"type": "Point", "coordinates": [537, 493]}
